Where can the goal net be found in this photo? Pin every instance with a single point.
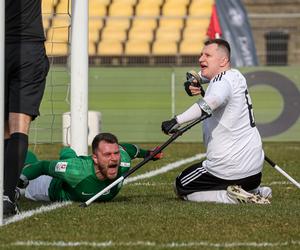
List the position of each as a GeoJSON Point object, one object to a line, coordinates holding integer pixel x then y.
{"type": "Point", "coordinates": [59, 21]}
{"type": "Point", "coordinates": [56, 100]}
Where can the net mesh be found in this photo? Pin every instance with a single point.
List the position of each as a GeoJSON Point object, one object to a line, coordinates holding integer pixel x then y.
{"type": "Point", "coordinates": [47, 128]}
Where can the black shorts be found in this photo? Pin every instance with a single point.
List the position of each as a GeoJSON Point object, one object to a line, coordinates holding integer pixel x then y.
{"type": "Point", "coordinates": [196, 178]}
{"type": "Point", "coordinates": [26, 68]}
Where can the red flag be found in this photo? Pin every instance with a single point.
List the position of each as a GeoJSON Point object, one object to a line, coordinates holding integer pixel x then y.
{"type": "Point", "coordinates": [214, 28]}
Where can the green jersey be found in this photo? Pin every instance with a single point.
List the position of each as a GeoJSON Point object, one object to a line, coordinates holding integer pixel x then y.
{"type": "Point", "coordinates": [74, 177]}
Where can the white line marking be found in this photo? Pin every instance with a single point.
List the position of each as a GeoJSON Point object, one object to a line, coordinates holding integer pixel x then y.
{"type": "Point", "coordinates": [273, 183]}
{"type": "Point", "coordinates": [153, 244]}
{"type": "Point", "coordinates": [164, 169]}
{"type": "Point", "coordinates": [150, 184]}
{"type": "Point", "coordinates": [39, 210]}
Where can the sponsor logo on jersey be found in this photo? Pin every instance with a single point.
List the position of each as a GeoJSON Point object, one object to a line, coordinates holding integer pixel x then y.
{"type": "Point", "coordinates": [61, 166]}
{"type": "Point", "coordinates": [125, 164]}
{"type": "Point", "coordinates": [84, 193]}
{"type": "Point", "coordinates": [219, 77]}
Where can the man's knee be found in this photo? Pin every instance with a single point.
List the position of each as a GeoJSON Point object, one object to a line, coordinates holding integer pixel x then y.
{"type": "Point", "coordinates": [177, 189]}
{"type": "Point", "coordinates": [19, 123]}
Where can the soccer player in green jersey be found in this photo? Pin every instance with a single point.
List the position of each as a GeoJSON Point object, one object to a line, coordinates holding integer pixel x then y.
{"type": "Point", "coordinates": [78, 178]}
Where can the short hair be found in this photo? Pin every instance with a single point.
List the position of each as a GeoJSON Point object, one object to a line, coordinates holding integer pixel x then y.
{"type": "Point", "coordinates": [107, 137]}
{"type": "Point", "coordinates": [221, 43]}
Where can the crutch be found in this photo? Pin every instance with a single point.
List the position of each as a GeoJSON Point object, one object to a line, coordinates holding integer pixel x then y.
{"type": "Point", "coordinates": [274, 165]}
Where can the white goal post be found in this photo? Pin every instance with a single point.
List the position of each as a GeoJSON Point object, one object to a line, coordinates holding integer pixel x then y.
{"type": "Point", "coordinates": [79, 76]}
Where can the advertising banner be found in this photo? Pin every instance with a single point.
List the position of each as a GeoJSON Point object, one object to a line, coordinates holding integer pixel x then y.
{"type": "Point", "coordinates": [236, 30]}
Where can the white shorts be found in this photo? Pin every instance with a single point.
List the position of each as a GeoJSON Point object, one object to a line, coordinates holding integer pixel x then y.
{"type": "Point", "coordinates": [37, 189]}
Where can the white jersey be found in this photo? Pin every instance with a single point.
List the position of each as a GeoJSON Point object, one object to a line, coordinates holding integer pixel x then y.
{"type": "Point", "coordinates": [234, 147]}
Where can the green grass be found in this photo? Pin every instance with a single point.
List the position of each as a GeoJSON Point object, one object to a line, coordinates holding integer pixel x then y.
{"type": "Point", "coordinates": [134, 101]}
{"type": "Point", "coordinates": [148, 211]}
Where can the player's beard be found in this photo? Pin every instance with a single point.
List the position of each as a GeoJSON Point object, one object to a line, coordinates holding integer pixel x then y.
{"type": "Point", "coordinates": [110, 171]}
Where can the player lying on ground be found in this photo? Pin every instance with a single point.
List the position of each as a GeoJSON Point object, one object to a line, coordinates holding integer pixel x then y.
{"type": "Point", "coordinates": [234, 149]}
{"type": "Point", "coordinates": [78, 178]}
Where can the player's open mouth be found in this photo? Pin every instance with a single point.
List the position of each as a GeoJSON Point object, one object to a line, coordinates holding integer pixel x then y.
{"type": "Point", "coordinates": [112, 169]}
{"type": "Point", "coordinates": [203, 66]}
{"type": "Point", "coordinates": [113, 166]}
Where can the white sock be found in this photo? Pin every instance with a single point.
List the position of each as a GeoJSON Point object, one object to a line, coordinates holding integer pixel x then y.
{"type": "Point", "coordinates": [265, 192]}
{"type": "Point", "coordinates": [219, 196]}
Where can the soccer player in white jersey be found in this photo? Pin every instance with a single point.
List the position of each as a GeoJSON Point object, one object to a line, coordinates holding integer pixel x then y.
{"type": "Point", "coordinates": [231, 172]}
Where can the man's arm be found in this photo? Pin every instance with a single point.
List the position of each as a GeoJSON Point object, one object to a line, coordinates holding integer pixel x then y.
{"type": "Point", "coordinates": [197, 110]}
{"type": "Point", "coordinates": [69, 170]}
{"type": "Point", "coordinates": [32, 171]}
{"type": "Point", "coordinates": [218, 96]}
{"type": "Point", "coordinates": [134, 151]}
{"type": "Point", "coordinates": [34, 168]}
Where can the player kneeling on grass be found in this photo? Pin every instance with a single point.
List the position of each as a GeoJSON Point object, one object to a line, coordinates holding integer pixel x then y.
{"type": "Point", "coordinates": [234, 149]}
{"type": "Point", "coordinates": [78, 178]}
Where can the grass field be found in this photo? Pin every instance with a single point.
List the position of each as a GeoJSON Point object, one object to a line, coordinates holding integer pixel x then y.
{"type": "Point", "coordinates": [147, 215]}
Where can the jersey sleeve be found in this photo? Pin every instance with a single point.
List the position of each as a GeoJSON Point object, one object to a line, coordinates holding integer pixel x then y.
{"type": "Point", "coordinates": [134, 151]}
{"type": "Point", "coordinates": [125, 163]}
{"type": "Point", "coordinates": [67, 153]}
{"type": "Point", "coordinates": [71, 170]}
{"type": "Point", "coordinates": [219, 93]}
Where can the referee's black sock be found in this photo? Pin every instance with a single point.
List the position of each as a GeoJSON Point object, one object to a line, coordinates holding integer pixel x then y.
{"type": "Point", "coordinates": [5, 144]}
{"type": "Point", "coordinates": [14, 158]}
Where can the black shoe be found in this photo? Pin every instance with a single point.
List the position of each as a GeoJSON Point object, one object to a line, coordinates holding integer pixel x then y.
{"type": "Point", "coordinates": [9, 208]}
{"type": "Point", "coordinates": [23, 182]}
